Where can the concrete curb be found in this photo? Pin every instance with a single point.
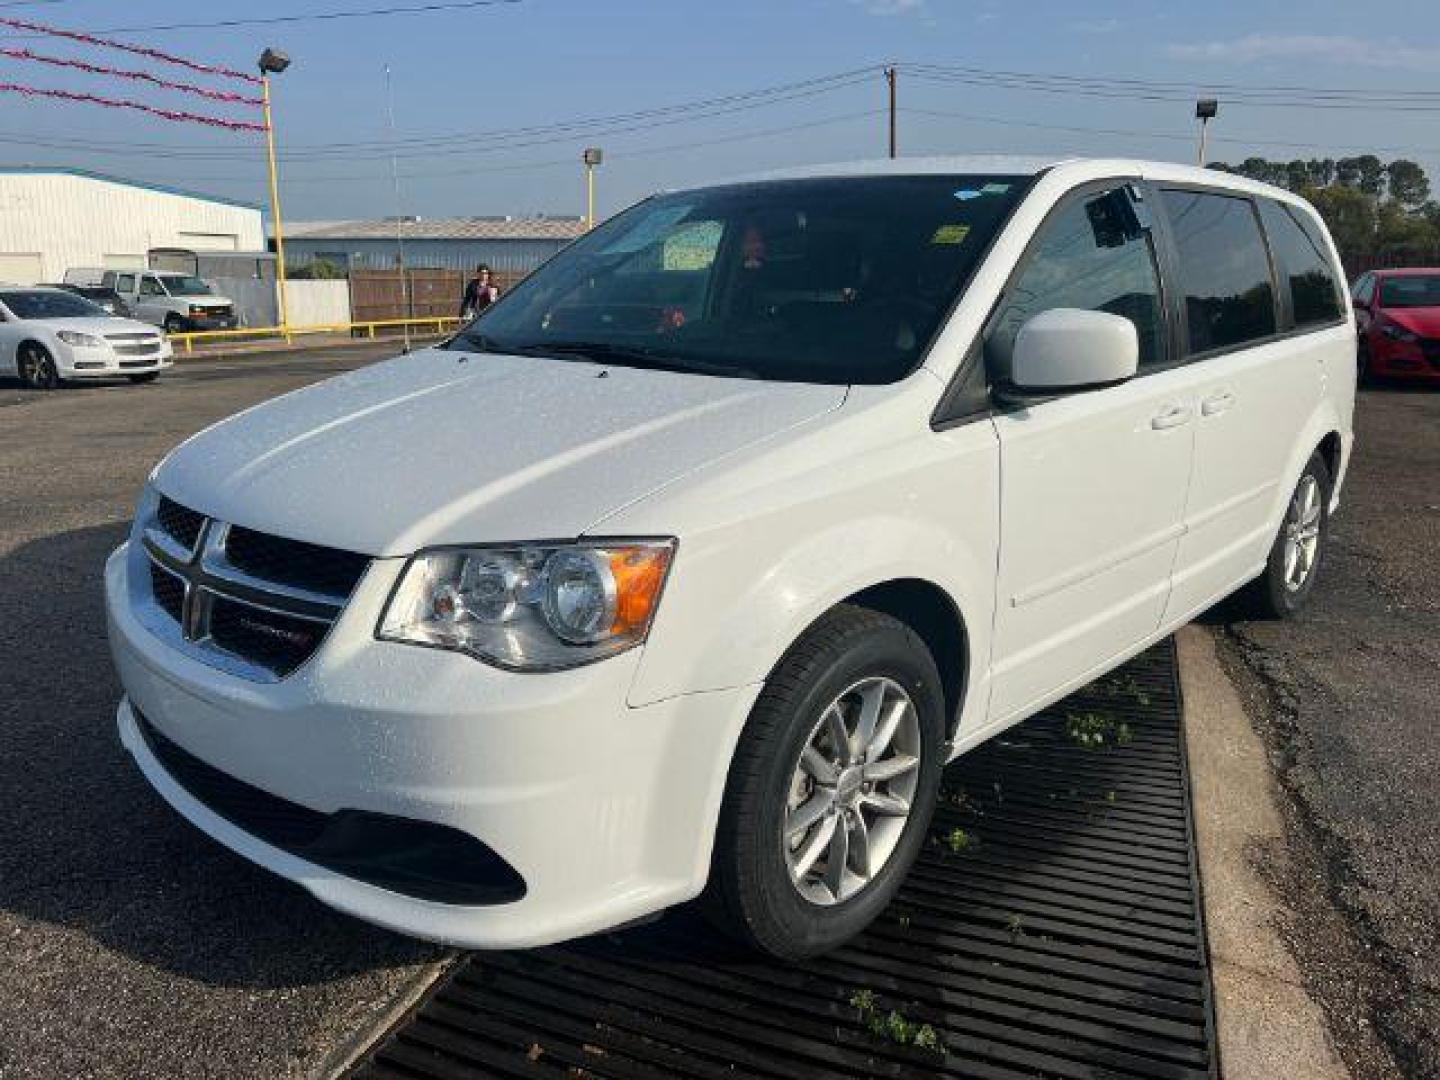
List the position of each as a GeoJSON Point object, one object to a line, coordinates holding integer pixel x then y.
{"type": "Point", "coordinates": [298, 345]}
{"type": "Point", "coordinates": [1267, 1024]}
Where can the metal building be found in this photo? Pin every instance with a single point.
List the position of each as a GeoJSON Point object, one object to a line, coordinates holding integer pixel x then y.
{"type": "Point", "coordinates": [58, 219]}
{"type": "Point", "coordinates": [510, 246]}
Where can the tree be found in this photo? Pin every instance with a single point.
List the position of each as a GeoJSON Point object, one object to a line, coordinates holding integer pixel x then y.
{"type": "Point", "coordinates": [1372, 175]}
{"type": "Point", "coordinates": [1347, 172]}
{"type": "Point", "coordinates": [1408, 183]}
{"type": "Point", "coordinates": [1297, 175]}
{"type": "Point", "coordinates": [1349, 214]}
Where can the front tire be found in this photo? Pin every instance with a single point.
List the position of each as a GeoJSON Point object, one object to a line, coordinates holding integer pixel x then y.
{"type": "Point", "coordinates": [831, 788]}
{"type": "Point", "coordinates": [144, 377]}
{"type": "Point", "coordinates": [174, 324]}
{"type": "Point", "coordinates": [1295, 557]}
{"type": "Point", "coordinates": [37, 368]}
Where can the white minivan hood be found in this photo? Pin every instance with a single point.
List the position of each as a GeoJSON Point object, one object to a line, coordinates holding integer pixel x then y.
{"type": "Point", "coordinates": [445, 447]}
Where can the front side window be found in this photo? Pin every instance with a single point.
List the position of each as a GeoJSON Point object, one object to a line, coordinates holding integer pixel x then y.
{"type": "Point", "coordinates": [126, 283]}
{"type": "Point", "coordinates": [835, 280]}
{"type": "Point", "coordinates": [1411, 291]}
{"type": "Point", "coordinates": [184, 285]}
{"type": "Point", "coordinates": [1304, 265]}
{"type": "Point", "coordinates": [1224, 269]}
{"type": "Point", "coordinates": [1094, 254]}
{"type": "Point", "coordinates": [40, 304]}
{"type": "Point", "coordinates": [1364, 288]}
{"type": "Point", "coordinates": [150, 287]}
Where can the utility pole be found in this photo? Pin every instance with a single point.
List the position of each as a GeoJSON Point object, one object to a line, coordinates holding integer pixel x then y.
{"type": "Point", "coordinates": [405, 304]}
{"type": "Point", "coordinates": [890, 78]}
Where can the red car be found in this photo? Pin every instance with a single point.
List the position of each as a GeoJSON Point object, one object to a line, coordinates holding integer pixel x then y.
{"type": "Point", "coordinates": [1397, 313]}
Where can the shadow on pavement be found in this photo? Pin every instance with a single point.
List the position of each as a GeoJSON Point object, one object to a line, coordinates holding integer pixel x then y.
{"type": "Point", "coordinates": [85, 844]}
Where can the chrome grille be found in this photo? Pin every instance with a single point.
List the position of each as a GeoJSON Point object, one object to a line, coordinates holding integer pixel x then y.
{"type": "Point", "coordinates": [241, 600]}
{"type": "Point", "coordinates": [145, 348]}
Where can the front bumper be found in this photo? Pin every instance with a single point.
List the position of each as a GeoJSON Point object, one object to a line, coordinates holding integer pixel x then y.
{"type": "Point", "coordinates": [75, 362]}
{"type": "Point", "coordinates": [606, 812]}
{"type": "Point", "coordinates": [208, 322]}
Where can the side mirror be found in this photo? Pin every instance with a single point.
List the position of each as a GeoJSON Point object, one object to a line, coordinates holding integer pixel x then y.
{"type": "Point", "coordinates": [1069, 349]}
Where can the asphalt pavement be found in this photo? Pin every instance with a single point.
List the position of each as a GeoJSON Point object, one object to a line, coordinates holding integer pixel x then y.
{"type": "Point", "coordinates": [130, 944]}
{"type": "Point", "coordinates": [1348, 698]}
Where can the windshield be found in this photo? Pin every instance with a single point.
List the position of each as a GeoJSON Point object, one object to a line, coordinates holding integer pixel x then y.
{"type": "Point", "coordinates": [184, 285]}
{"type": "Point", "coordinates": [1411, 290]}
{"type": "Point", "coordinates": [50, 305]}
{"type": "Point", "coordinates": [827, 281]}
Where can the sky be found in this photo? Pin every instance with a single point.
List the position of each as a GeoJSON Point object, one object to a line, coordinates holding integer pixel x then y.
{"type": "Point", "coordinates": [464, 84]}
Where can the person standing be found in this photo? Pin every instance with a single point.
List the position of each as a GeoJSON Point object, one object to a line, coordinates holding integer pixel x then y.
{"type": "Point", "coordinates": [480, 293]}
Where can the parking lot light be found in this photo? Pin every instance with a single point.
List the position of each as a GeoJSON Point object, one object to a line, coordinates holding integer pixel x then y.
{"type": "Point", "coordinates": [273, 62]}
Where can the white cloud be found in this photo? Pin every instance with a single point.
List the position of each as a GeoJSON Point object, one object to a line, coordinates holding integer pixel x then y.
{"type": "Point", "coordinates": [892, 7]}
{"type": "Point", "coordinates": [1096, 26]}
{"type": "Point", "coordinates": [1359, 52]}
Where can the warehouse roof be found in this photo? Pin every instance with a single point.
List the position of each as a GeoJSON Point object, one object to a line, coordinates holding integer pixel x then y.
{"type": "Point", "coordinates": [106, 178]}
{"type": "Point", "coordinates": [464, 228]}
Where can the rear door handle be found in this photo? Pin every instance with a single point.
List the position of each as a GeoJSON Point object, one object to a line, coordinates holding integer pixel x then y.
{"type": "Point", "coordinates": [1171, 416]}
{"type": "Point", "coordinates": [1217, 403]}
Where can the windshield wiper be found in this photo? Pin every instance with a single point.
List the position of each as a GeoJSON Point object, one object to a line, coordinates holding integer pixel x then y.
{"type": "Point", "coordinates": [638, 356]}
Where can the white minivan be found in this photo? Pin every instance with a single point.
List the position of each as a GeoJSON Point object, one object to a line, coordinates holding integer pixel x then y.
{"type": "Point", "coordinates": [689, 564]}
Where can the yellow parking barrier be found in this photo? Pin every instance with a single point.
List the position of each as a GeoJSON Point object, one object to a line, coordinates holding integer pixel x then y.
{"type": "Point", "coordinates": [188, 339]}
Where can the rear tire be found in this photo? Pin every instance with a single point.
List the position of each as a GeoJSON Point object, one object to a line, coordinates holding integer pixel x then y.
{"type": "Point", "coordinates": [37, 368]}
{"type": "Point", "coordinates": [174, 324]}
{"type": "Point", "coordinates": [1298, 551]}
{"type": "Point", "coordinates": [873, 673]}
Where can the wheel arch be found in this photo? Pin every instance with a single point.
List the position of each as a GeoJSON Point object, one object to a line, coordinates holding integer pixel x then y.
{"type": "Point", "coordinates": [935, 618]}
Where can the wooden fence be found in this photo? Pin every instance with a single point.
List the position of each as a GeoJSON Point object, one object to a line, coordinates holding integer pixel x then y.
{"type": "Point", "coordinates": [378, 294]}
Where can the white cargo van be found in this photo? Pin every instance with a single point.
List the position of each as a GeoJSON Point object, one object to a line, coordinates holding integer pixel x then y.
{"type": "Point", "coordinates": [177, 302]}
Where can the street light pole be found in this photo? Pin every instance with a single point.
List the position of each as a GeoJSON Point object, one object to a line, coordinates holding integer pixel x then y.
{"type": "Point", "coordinates": [274, 62]}
{"type": "Point", "coordinates": [592, 157]}
{"type": "Point", "coordinates": [1205, 111]}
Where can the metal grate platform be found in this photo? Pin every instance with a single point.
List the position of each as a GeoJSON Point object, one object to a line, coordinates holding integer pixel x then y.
{"type": "Point", "coordinates": [1052, 928]}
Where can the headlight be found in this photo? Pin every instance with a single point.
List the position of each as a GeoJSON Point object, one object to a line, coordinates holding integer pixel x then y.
{"type": "Point", "coordinates": [1399, 333]}
{"type": "Point", "coordinates": [84, 341]}
{"type": "Point", "coordinates": [530, 607]}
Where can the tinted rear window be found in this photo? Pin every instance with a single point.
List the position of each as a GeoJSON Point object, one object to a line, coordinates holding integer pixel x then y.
{"type": "Point", "coordinates": [1303, 265]}
{"type": "Point", "coordinates": [1224, 269]}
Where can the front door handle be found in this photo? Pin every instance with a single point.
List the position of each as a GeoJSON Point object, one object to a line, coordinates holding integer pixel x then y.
{"type": "Point", "coordinates": [1217, 403]}
{"type": "Point", "coordinates": [1171, 416]}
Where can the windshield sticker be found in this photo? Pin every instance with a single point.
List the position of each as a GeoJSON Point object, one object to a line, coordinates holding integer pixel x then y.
{"type": "Point", "coordinates": [965, 194]}
{"type": "Point", "coordinates": [994, 189]}
{"type": "Point", "coordinates": [649, 230]}
{"type": "Point", "coordinates": [950, 234]}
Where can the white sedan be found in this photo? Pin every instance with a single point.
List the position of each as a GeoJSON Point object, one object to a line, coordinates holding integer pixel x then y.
{"type": "Point", "coordinates": [49, 336]}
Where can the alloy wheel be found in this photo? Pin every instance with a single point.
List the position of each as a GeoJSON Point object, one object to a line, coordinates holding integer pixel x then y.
{"type": "Point", "coordinates": [851, 791]}
{"type": "Point", "coordinates": [37, 370]}
{"type": "Point", "coordinates": [1302, 533]}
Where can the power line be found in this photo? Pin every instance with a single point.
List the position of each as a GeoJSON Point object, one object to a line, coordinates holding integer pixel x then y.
{"type": "Point", "coordinates": [617, 157]}
{"type": "Point", "coordinates": [515, 138]}
{"type": "Point", "coordinates": [1188, 87]}
{"type": "Point", "coordinates": [1248, 140]}
{"type": "Point", "coordinates": [1102, 89]}
{"type": "Point", "coordinates": [322, 16]}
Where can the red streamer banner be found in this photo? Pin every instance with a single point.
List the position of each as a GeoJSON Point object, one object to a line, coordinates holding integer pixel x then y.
{"type": "Point", "coordinates": [138, 106]}
{"type": "Point", "coordinates": [137, 76]}
{"type": "Point", "coordinates": [135, 50]}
